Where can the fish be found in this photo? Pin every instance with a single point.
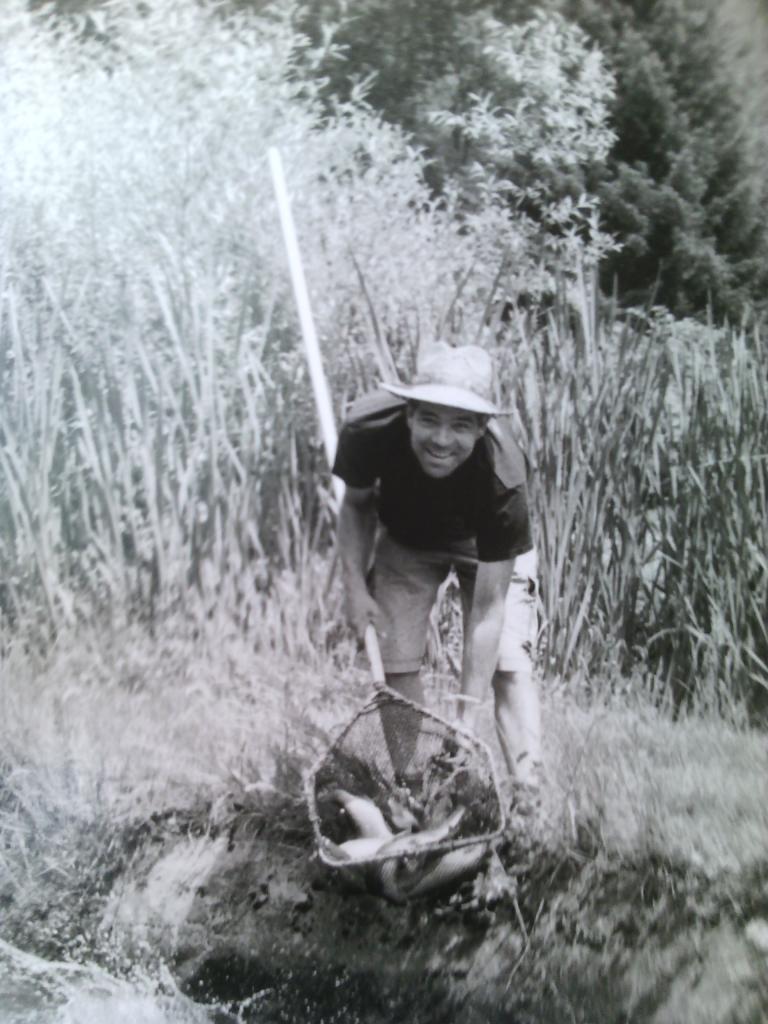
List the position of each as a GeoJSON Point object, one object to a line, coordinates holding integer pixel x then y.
{"type": "Point", "coordinates": [332, 851]}
{"type": "Point", "coordinates": [450, 869]}
{"type": "Point", "coordinates": [353, 849]}
{"type": "Point", "coordinates": [401, 815]}
{"type": "Point", "coordinates": [368, 819]}
{"type": "Point", "coordinates": [398, 878]}
{"type": "Point", "coordinates": [363, 848]}
{"type": "Point", "coordinates": [412, 842]}
{"type": "Point", "coordinates": [354, 875]}
{"type": "Point", "coordinates": [410, 869]}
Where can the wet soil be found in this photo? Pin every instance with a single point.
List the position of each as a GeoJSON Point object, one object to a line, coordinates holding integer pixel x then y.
{"type": "Point", "coordinates": [255, 923]}
{"type": "Point", "coordinates": [250, 920]}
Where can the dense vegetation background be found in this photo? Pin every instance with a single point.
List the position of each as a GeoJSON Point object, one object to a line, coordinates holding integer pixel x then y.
{"type": "Point", "coordinates": [683, 184]}
{"type": "Point", "coordinates": [579, 185]}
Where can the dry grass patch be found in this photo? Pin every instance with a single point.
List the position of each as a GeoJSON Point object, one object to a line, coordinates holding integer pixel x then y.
{"type": "Point", "coordinates": [693, 791]}
{"type": "Point", "coordinates": [119, 721]}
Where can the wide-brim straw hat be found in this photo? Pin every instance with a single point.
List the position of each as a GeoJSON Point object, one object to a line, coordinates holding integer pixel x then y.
{"type": "Point", "coordinates": [458, 376]}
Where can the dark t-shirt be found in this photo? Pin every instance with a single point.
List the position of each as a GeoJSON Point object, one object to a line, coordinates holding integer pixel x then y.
{"type": "Point", "coordinates": [483, 502]}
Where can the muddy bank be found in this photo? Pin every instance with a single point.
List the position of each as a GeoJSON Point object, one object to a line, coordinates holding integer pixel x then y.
{"type": "Point", "coordinates": [251, 920]}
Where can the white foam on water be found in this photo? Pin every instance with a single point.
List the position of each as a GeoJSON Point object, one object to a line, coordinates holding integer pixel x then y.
{"type": "Point", "coordinates": [38, 991]}
{"type": "Point", "coordinates": [130, 1007]}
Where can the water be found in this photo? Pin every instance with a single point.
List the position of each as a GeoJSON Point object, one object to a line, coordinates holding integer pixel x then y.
{"type": "Point", "coordinates": [37, 991]}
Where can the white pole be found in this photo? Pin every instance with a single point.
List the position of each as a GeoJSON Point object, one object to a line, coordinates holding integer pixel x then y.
{"type": "Point", "coordinates": [314, 359]}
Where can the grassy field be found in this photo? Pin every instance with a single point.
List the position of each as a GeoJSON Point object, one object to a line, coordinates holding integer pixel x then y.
{"type": "Point", "coordinates": [114, 729]}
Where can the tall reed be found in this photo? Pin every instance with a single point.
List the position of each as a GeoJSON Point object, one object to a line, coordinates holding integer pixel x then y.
{"type": "Point", "coordinates": [156, 422]}
{"type": "Point", "coordinates": [158, 444]}
{"type": "Point", "coordinates": [649, 441]}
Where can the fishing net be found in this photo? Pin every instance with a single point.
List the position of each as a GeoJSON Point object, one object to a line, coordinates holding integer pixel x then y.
{"type": "Point", "coordinates": [433, 785]}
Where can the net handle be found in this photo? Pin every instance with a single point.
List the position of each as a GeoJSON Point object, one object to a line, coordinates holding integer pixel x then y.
{"type": "Point", "coordinates": [374, 656]}
{"type": "Point", "coordinates": [315, 362]}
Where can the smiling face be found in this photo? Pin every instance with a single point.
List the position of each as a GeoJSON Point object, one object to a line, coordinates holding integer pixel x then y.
{"type": "Point", "coordinates": [442, 438]}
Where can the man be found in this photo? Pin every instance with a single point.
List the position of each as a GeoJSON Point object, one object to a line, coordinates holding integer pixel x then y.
{"type": "Point", "coordinates": [429, 468]}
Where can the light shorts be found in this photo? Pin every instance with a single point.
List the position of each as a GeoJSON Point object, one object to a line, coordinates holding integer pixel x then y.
{"type": "Point", "coordinates": [405, 582]}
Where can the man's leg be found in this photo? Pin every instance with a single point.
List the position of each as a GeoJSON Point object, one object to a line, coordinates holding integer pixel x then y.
{"type": "Point", "coordinates": [518, 723]}
{"type": "Point", "coordinates": [407, 684]}
{"type": "Point", "coordinates": [405, 584]}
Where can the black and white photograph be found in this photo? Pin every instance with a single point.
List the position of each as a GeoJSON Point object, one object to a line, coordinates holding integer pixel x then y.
{"type": "Point", "coordinates": [383, 511]}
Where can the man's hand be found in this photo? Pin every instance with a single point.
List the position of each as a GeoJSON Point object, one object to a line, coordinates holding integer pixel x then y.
{"type": "Point", "coordinates": [361, 610]}
{"type": "Point", "coordinates": [357, 524]}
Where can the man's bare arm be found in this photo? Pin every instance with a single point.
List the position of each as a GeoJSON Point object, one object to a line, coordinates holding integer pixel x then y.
{"type": "Point", "coordinates": [483, 635]}
{"type": "Point", "coordinates": [356, 534]}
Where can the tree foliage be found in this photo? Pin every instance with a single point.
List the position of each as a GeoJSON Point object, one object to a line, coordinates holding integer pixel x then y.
{"type": "Point", "coordinates": [682, 188]}
{"type": "Point", "coordinates": [684, 192]}
{"type": "Point", "coordinates": [536, 129]}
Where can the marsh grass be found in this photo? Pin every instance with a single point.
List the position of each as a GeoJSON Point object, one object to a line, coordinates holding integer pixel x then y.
{"type": "Point", "coordinates": [173, 473]}
{"type": "Point", "coordinates": [648, 439]}
{"type": "Point", "coordinates": [156, 425]}
{"type": "Point", "coordinates": [158, 444]}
